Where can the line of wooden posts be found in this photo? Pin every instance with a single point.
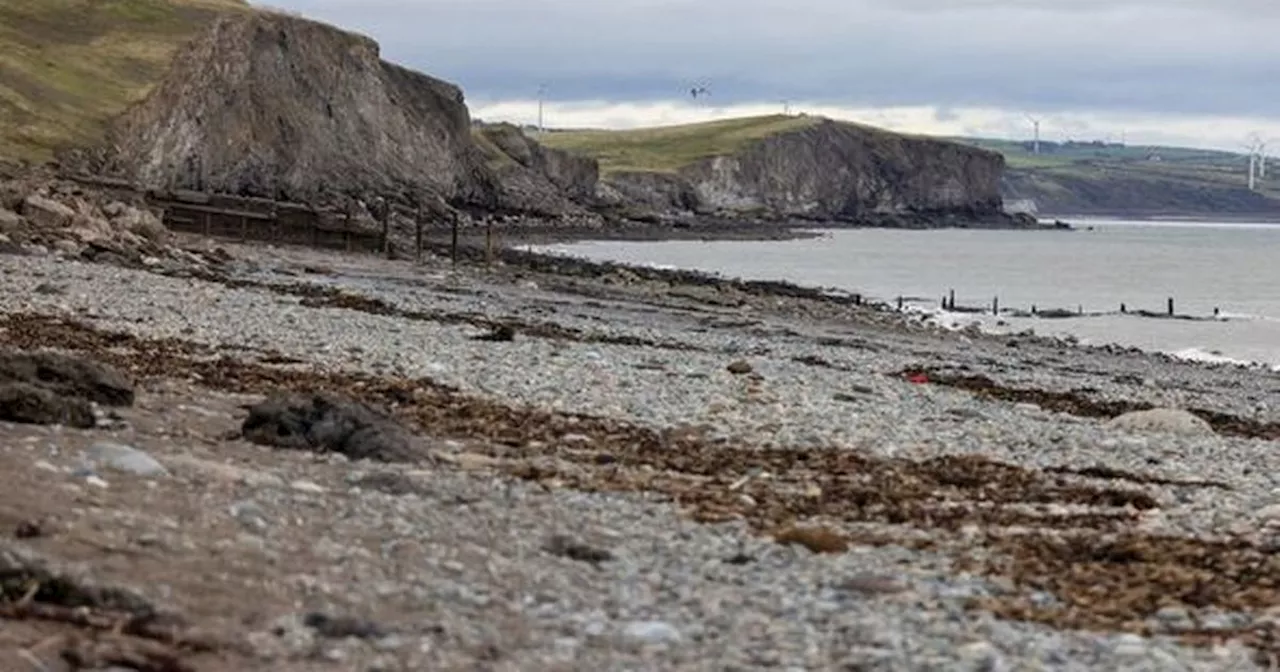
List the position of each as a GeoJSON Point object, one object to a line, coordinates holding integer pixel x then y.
{"type": "Point", "coordinates": [949, 303]}
{"type": "Point", "coordinates": [246, 224]}
{"type": "Point", "coordinates": [385, 221]}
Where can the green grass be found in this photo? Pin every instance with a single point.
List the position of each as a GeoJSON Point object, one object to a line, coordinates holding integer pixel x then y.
{"type": "Point", "coordinates": [67, 66]}
{"type": "Point", "coordinates": [668, 148]}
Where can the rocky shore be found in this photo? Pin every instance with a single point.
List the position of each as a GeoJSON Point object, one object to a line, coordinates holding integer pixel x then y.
{"type": "Point", "coordinates": [338, 462]}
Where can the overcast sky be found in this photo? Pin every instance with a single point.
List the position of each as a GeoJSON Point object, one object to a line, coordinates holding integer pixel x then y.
{"type": "Point", "coordinates": [1199, 72]}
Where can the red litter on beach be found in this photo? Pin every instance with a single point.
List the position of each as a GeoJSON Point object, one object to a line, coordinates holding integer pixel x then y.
{"type": "Point", "coordinates": [918, 378]}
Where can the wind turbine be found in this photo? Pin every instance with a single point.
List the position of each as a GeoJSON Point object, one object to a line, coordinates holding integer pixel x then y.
{"type": "Point", "coordinates": [1257, 160]}
{"type": "Point", "coordinates": [542, 94]}
{"type": "Point", "coordinates": [1035, 123]}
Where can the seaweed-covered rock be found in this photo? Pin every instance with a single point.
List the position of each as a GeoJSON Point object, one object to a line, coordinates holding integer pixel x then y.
{"type": "Point", "coordinates": [326, 423]}
{"type": "Point", "coordinates": [32, 404]}
{"type": "Point", "coordinates": [67, 376]}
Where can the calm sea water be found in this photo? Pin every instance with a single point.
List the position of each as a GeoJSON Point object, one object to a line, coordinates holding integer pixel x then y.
{"type": "Point", "coordinates": [1232, 267]}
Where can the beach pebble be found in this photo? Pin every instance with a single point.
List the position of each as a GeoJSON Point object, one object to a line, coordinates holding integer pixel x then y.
{"type": "Point", "coordinates": [125, 459]}
{"type": "Point", "coordinates": [651, 632]}
{"type": "Point", "coordinates": [1164, 420]}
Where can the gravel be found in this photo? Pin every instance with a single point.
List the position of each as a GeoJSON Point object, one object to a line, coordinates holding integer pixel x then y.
{"type": "Point", "coordinates": [666, 597]}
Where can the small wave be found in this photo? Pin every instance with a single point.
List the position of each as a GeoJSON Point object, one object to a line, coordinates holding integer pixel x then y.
{"type": "Point", "coordinates": [1199, 355]}
{"type": "Point", "coordinates": [1248, 316]}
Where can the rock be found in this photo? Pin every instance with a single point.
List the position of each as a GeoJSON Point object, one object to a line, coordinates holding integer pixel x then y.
{"type": "Point", "coordinates": [1168, 420]}
{"type": "Point", "coordinates": [249, 514]}
{"type": "Point", "coordinates": [126, 459]}
{"type": "Point", "coordinates": [1129, 645]}
{"type": "Point", "coordinates": [817, 539]}
{"type": "Point", "coordinates": [340, 627]}
{"type": "Point", "coordinates": [325, 423]}
{"type": "Point", "coordinates": [34, 404]}
{"type": "Point", "coordinates": [568, 547]}
{"type": "Point", "coordinates": [114, 209]}
{"type": "Point", "coordinates": [982, 657]}
{"type": "Point", "coordinates": [1269, 513]}
{"type": "Point", "coordinates": [143, 223]}
{"type": "Point", "coordinates": [869, 583]}
{"type": "Point", "coordinates": [389, 482]}
{"type": "Point", "coordinates": [47, 213]}
{"type": "Point", "coordinates": [651, 632]}
{"type": "Point", "coordinates": [307, 487]}
{"type": "Point", "coordinates": [67, 375]}
{"type": "Point", "coordinates": [499, 333]}
{"type": "Point", "coordinates": [67, 248]}
{"type": "Point", "coordinates": [740, 368]}
{"type": "Point", "coordinates": [11, 221]}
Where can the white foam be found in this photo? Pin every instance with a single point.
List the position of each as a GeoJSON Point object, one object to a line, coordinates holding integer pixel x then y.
{"type": "Point", "coordinates": [1247, 316]}
{"type": "Point", "coordinates": [1198, 355]}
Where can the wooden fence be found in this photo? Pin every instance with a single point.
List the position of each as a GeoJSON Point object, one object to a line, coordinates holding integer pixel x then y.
{"type": "Point", "coordinates": [247, 219]}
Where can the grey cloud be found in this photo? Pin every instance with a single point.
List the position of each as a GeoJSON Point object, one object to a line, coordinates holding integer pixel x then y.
{"type": "Point", "coordinates": [1159, 56]}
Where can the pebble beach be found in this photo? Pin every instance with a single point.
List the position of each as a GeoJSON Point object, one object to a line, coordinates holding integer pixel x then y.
{"type": "Point", "coordinates": [975, 531]}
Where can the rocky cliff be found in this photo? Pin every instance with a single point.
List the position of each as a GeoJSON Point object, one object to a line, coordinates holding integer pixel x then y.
{"type": "Point", "coordinates": [280, 107]}
{"type": "Point", "coordinates": [843, 171]}
{"type": "Point", "coordinates": [791, 167]}
{"type": "Point", "coordinates": [533, 177]}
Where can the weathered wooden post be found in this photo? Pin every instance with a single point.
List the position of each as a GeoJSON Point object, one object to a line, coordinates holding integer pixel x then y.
{"type": "Point", "coordinates": [899, 303]}
{"type": "Point", "coordinates": [1171, 306]}
{"type": "Point", "coordinates": [346, 227]}
{"type": "Point", "coordinates": [453, 244]}
{"type": "Point", "coordinates": [995, 306]}
{"type": "Point", "coordinates": [952, 299]}
{"type": "Point", "coordinates": [384, 213]}
{"type": "Point", "coordinates": [417, 236]}
{"type": "Point", "coordinates": [1033, 309]}
{"type": "Point", "coordinates": [1123, 309]}
{"type": "Point", "coordinates": [857, 299]}
{"type": "Point", "coordinates": [488, 243]}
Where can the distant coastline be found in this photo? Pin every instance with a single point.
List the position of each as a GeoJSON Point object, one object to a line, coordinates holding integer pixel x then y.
{"type": "Point", "coordinates": [1152, 216]}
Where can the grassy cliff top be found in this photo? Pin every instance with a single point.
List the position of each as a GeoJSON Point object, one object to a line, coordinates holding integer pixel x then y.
{"type": "Point", "coordinates": [67, 66]}
{"type": "Point", "coordinates": [667, 148]}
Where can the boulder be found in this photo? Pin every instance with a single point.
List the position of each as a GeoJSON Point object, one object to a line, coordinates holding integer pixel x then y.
{"type": "Point", "coordinates": [67, 376]}
{"type": "Point", "coordinates": [33, 404]}
{"type": "Point", "coordinates": [47, 213]}
{"type": "Point", "coordinates": [11, 221]}
{"type": "Point", "coordinates": [142, 223]}
{"type": "Point", "coordinates": [326, 423]}
{"type": "Point", "coordinates": [1161, 420]}
{"type": "Point", "coordinates": [114, 209]}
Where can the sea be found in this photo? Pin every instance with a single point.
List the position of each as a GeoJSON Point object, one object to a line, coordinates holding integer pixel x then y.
{"type": "Point", "coordinates": [1223, 278]}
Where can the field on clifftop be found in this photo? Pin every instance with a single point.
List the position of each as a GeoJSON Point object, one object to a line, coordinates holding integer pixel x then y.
{"type": "Point", "coordinates": [667, 148]}
{"type": "Point", "coordinates": [66, 66]}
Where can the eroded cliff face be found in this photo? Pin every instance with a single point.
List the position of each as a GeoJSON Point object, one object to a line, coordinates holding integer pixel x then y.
{"type": "Point", "coordinates": [534, 178]}
{"type": "Point", "coordinates": [832, 170]}
{"type": "Point", "coordinates": [282, 107]}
